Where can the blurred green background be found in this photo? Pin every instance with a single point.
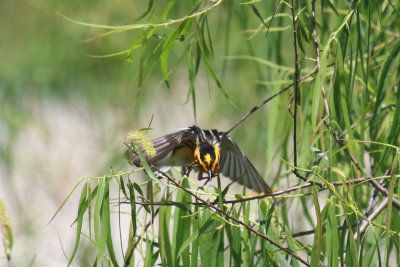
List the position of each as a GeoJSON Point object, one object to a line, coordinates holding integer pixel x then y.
{"type": "Point", "coordinates": [64, 114]}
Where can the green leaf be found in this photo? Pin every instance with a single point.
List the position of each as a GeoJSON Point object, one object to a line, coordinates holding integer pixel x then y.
{"type": "Point", "coordinates": [219, 250]}
{"type": "Point", "coordinates": [81, 211]}
{"type": "Point", "coordinates": [280, 258]}
{"type": "Point", "coordinates": [258, 15]}
{"type": "Point", "coordinates": [266, 215]}
{"type": "Point", "coordinates": [182, 223]}
{"type": "Point", "coordinates": [138, 189]}
{"type": "Point", "coordinates": [194, 236]}
{"type": "Point", "coordinates": [319, 82]}
{"type": "Point", "coordinates": [195, 242]}
{"type": "Point", "coordinates": [217, 82]}
{"type": "Point", "coordinates": [318, 236]}
{"type": "Point", "coordinates": [384, 85]}
{"type": "Point", "coordinates": [207, 240]}
{"type": "Point", "coordinates": [163, 236]}
{"type": "Point", "coordinates": [351, 254]}
{"type": "Point", "coordinates": [148, 261]}
{"type": "Point", "coordinates": [193, 71]}
{"type": "Point", "coordinates": [100, 236]}
{"type": "Point", "coordinates": [392, 182]}
{"type": "Point", "coordinates": [106, 226]}
{"type": "Point", "coordinates": [344, 97]}
{"type": "Point", "coordinates": [167, 9]}
{"type": "Point", "coordinates": [292, 243]}
{"type": "Point", "coordinates": [332, 235]}
{"type": "Point", "coordinates": [138, 43]}
{"type": "Point", "coordinates": [166, 48]}
{"type": "Point", "coordinates": [146, 165]}
{"type": "Point", "coordinates": [148, 10]}
{"type": "Point", "coordinates": [133, 206]}
{"type": "Point", "coordinates": [236, 244]}
{"type": "Point", "coordinates": [395, 129]}
{"type": "Point", "coordinates": [332, 6]}
{"type": "Point", "coordinates": [122, 186]}
{"type": "Point", "coordinates": [246, 236]}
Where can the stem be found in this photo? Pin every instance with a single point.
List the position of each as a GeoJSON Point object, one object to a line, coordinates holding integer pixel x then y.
{"type": "Point", "coordinates": [296, 84]}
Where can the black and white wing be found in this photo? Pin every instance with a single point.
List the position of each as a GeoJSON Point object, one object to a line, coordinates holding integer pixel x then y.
{"type": "Point", "coordinates": [174, 149]}
{"type": "Point", "coordinates": [235, 165]}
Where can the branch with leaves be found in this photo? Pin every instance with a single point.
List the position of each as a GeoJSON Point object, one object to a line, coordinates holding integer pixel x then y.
{"type": "Point", "coordinates": [210, 205]}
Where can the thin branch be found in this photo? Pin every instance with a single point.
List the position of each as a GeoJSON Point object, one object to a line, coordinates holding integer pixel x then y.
{"type": "Point", "coordinates": [143, 202]}
{"type": "Point", "coordinates": [302, 78]}
{"type": "Point", "coordinates": [375, 194]}
{"type": "Point", "coordinates": [304, 178]}
{"type": "Point", "coordinates": [262, 104]}
{"type": "Point", "coordinates": [310, 232]}
{"type": "Point", "coordinates": [130, 252]}
{"type": "Point", "coordinates": [371, 217]}
{"type": "Point", "coordinates": [208, 204]}
{"type": "Point", "coordinates": [364, 223]}
{"type": "Point", "coordinates": [366, 117]}
{"type": "Point", "coordinates": [122, 28]}
{"type": "Point", "coordinates": [296, 84]}
{"type": "Point", "coordinates": [375, 183]}
{"type": "Point", "coordinates": [255, 108]}
{"type": "Point", "coordinates": [384, 191]}
{"type": "Point", "coordinates": [371, 201]}
{"type": "Point", "coordinates": [211, 205]}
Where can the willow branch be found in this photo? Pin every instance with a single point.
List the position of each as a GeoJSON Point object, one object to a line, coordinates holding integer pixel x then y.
{"type": "Point", "coordinates": [143, 202]}
{"type": "Point", "coordinates": [122, 28]}
{"type": "Point", "coordinates": [132, 249]}
{"type": "Point", "coordinates": [365, 223]}
{"type": "Point", "coordinates": [208, 204]}
{"type": "Point", "coordinates": [375, 183]}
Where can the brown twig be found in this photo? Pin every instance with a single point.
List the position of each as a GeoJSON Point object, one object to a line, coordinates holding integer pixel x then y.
{"type": "Point", "coordinates": [208, 204]}
{"type": "Point", "coordinates": [357, 180]}
{"type": "Point", "coordinates": [276, 193]}
{"type": "Point", "coordinates": [130, 252]}
{"type": "Point", "coordinates": [375, 183]}
{"type": "Point", "coordinates": [384, 191]}
{"type": "Point", "coordinates": [375, 194]}
{"type": "Point", "coordinates": [371, 201]}
{"type": "Point", "coordinates": [262, 104]}
{"type": "Point", "coordinates": [371, 217]}
{"type": "Point", "coordinates": [366, 117]}
{"type": "Point", "coordinates": [296, 85]}
{"type": "Point", "coordinates": [255, 108]}
{"type": "Point", "coordinates": [309, 232]}
{"type": "Point", "coordinates": [304, 178]}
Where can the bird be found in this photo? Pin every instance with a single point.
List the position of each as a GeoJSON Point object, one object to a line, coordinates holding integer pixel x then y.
{"type": "Point", "coordinates": [210, 152]}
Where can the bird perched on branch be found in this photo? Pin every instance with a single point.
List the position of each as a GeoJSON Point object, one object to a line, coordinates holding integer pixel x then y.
{"type": "Point", "coordinates": [209, 152]}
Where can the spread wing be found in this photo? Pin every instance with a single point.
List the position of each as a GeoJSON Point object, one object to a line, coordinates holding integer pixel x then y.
{"type": "Point", "coordinates": [235, 165]}
{"type": "Point", "coordinates": [173, 149]}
